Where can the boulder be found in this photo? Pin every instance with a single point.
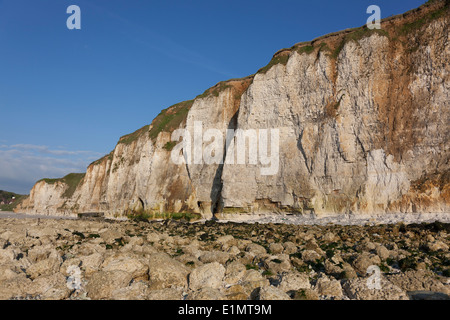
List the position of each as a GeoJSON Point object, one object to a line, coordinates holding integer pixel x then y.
{"type": "Point", "coordinates": [329, 287]}
{"type": "Point", "coordinates": [294, 281]}
{"type": "Point", "coordinates": [269, 293]}
{"type": "Point", "coordinates": [166, 272]}
{"type": "Point", "coordinates": [103, 284]}
{"type": "Point", "coordinates": [214, 256]}
{"type": "Point", "coordinates": [234, 272]}
{"type": "Point", "coordinates": [209, 275]}
{"type": "Point", "coordinates": [91, 264]}
{"type": "Point", "coordinates": [52, 287]}
{"type": "Point", "coordinates": [419, 280]}
{"type": "Point", "coordinates": [44, 267]}
{"type": "Point", "coordinates": [123, 262]}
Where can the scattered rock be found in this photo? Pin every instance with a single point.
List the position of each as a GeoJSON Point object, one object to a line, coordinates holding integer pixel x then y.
{"type": "Point", "coordinates": [310, 256]}
{"type": "Point", "coordinates": [289, 248]}
{"type": "Point", "coordinates": [276, 248]}
{"type": "Point", "coordinates": [438, 246]}
{"type": "Point", "coordinates": [14, 287]}
{"type": "Point", "coordinates": [364, 261]}
{"type": "Point", "coordinates": [68, 264]}
{"type": "Point", "coordinates": [419, 280]}
{"type": "Point", "coordinates": [53, 287]}
{"type": "Point", "coordinates": [44, 267]}
{"type": "Point", "coordinates": [383, 252]}
{"type": "Point", "coordinates": [233, 251]}
{"type": "Point", "coordinates": [253, 279]}
{"type": "Point", "coordinates": [225, 239]}
{"type": "Point", "coordinates": [207, 276]}
{"type": "Point", "coordinates": [278, 264]}
{"type": "Point", "coordinates": [311, 245]}
{"type": "Point", "coordinates": [329, 237]}
{"type": "Point", "coordinates": [103, 284]}
{"type": "Point", "coordinates": [166, 261]}
{"type": "Point", "coordinates": [269, 293]}
{"type": "Point", "coordinates": [6, 272]}
{"type": "Point", "coordinates": [166, 272]}
{"type": "Point", "coordinates": [234, 273]}
{"type": "Point", "coordinates": [91, 264]}
{"type": "Point", "coordinates": [360, 290]}
{"type": "Point", "coordinates": [214, 256]}
{"type": "Point", "coordinates": [348, 272]}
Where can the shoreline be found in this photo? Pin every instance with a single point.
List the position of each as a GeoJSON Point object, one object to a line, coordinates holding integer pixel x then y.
{"type": "Point", "coordinates": [329, 219]}
{"type": "Point", "coordinates": [13, 215]}
{"type": "Point", "coordinates": [345, 219]}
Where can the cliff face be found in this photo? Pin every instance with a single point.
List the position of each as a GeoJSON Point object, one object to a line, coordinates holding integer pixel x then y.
{"type": "Point", "coordinates": [364, 127]}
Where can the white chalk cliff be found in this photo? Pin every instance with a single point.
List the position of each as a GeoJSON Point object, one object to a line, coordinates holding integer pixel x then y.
{"type": "Point", "coordinates": [364, 127]}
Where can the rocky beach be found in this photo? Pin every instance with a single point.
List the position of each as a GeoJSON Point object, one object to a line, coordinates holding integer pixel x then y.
{"type": "Point", "coordinates": [208, 260]}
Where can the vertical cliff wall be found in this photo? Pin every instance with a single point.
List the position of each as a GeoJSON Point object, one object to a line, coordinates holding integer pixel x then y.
{"type": "Point", "coordinates": [364, 127]}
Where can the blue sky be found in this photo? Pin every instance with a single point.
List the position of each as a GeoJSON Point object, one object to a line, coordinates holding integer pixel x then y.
{"type": "Point", "coordinates": [66, 96]}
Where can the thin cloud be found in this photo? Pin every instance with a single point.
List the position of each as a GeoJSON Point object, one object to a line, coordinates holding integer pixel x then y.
{"type": "Point", "coordinates": [47, 150]}
{"type": "Point", "coordinates": [21, 165]}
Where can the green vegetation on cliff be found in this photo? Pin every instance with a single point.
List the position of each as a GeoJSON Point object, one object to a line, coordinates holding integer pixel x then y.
{"type": "Point", "coordinates": [166, 121]}
{"type": "Point", "coordinates": [145, 216]}
{"type": "Point", "coordinates": [72, 180]}
{"type": "Point", "coordinates": [129, 138]}
{"type": "Point", "coordinates": [170, 119]}
{"type": "Point", "coordinates": [9, 200]}
{"type": "Point", "coordinates": [356, 34]}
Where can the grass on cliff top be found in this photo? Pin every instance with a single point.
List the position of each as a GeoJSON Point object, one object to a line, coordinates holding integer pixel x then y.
{"type": "Point", "coordinates": [167, 120]}
{"type": "Point", "coordinates": [428, 18]}
{"type": "Point", "coordinates": [72, 180]}
{"type": "Point", "coordinates": [170, 119]}
{"type": "Point", "coordinates": [357, 34]}
{"type": "Point", "coordinates": [215, 91]}
{"type": "Point", "coordinates": [109, 156]}
{"type": "Point", "coordinates": [280, 59]}
{"type": "Point", "coordinates": [129, 138]}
